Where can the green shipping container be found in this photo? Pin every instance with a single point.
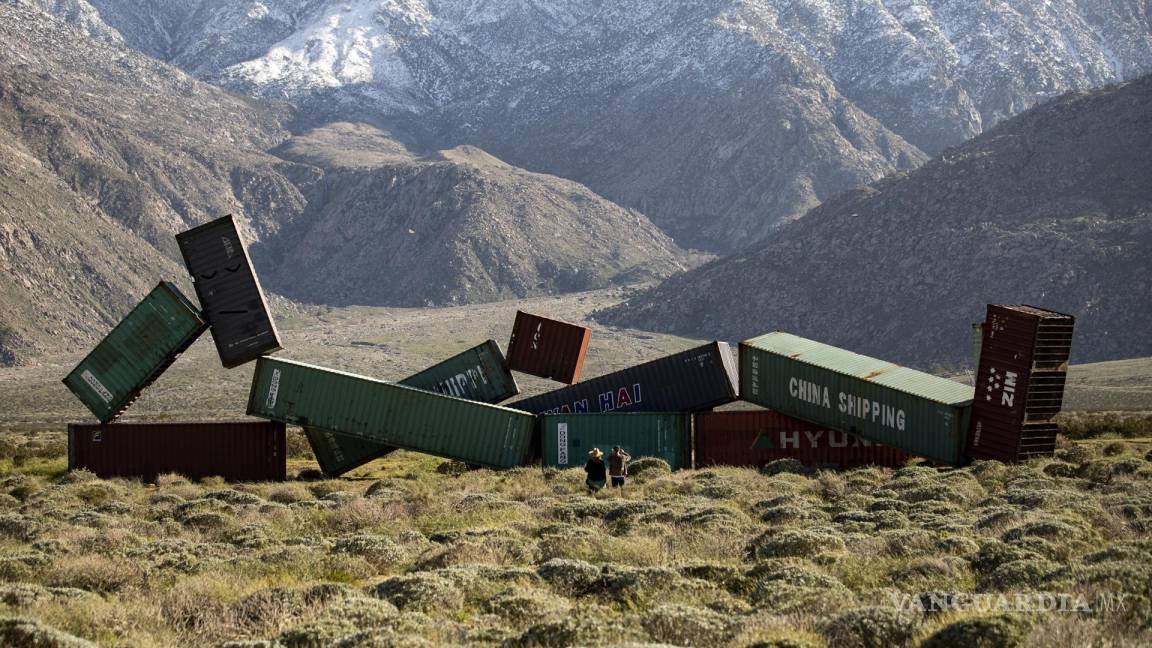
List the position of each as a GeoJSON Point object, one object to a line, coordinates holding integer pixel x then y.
{"type": "Point", "coordinates": [389, 414]}
{"type": "Point", "coordinates": [136, 352]}
{"type": "Point", "coordinates": [569, 437]}
{"type": "Point", "coordinates": [876, 400]}
{"type": "Point", "coordinates": [479, 374]}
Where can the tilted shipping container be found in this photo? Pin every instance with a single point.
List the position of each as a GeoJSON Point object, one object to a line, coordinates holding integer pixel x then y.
{"type": "Point", "coordinates": [548, 348]}
{"type": "Point", "coordinates": [229, 291]}
{"type": "Point", "coordinates": [136, 352]}
{"type": "Point", "coordinates": [478, 374]}
{"type": "Point", "coordinates": [755, 438]}
{"type": "Point", "coordinates": [876, 400]}
{"type": "Point", "coordinates": [396, 415]}
{"type": "Point", "coordinates": [236, 451]}
{"type": "Point", "coordinates": [569, 437]}
{"type": "Point", "coordinates": [690, 381]}
{"type": "Point", "coordinates": [1019, 382]}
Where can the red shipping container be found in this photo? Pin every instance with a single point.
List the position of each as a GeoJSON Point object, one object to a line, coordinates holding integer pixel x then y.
{"type": "Point", "coordinates": [236, 451]}
{"type": "Point", "coordinates": [548, 348]}
{"type": "Point", "coordinates": [1019, 382]}
{"type": "Point", "coordinates": [755, 438]}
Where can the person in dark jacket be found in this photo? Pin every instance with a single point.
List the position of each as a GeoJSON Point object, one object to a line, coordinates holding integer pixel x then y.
{"type": "Point", "coordinates": [597, 471]}
{"type": "Point", "coordinates": [618, 466]}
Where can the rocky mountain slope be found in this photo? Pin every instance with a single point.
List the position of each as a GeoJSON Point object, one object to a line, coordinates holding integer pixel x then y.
{"type": "Point", "coordinates": [1052, 207]}
{"type": "Point", "coordinates": [386, 226]}
{"type": "Point", "coordinates": [110, 152]}
{"type": "Point", "coordinates": [717, 119]}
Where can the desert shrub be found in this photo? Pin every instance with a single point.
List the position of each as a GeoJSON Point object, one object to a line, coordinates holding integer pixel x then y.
{"type": "Point", "coordinates": [1061, 469]}
{"type": "Point", "coordinates": [641, 585]}
{"type": "Point", "coordinates": [234, 497]}
{"type": "Point", "coordinates": [871, 627]}
{"type": "Point", "coordinates": [781, 466]}
{"type": "Point", "coordinates": [888, 504]}
{"type": "Point", "coordinates": [267, 606]}
{"type": "Point", "coordinates": [997, 516]}
{"type": "Point", "coordinates": [629, 511]}
{"type": "Point", "coordinates": [727, 576]}
{"type": "Point", "coordinates": [1074, 453]}
{"type": "Point", "coordinates": [714, 517]}
{"type": "Point", "coordinates": [77, 476]}
{"type": "Point", "coordinates": [957, 545]}
{"type": "Point", "coordinates": [421, 592]}
{"type": "Point", "coordinates": [289, 494]}
{"type": "Point", "coordinates": [1118, 552]}
{"type": "Point", "coordinates": [994, 553]}
{"type": "Point", "coordinates": [491, 549]}
{"type": "Point", "coordinates": [682, 625]}
{"type": "Point", "coordinates": [794, 542]}
{"type": "Point", "coordinates": [21, 633]}
{"type": "Point", "coordinates": [784, 589]}
{"type": "Point", "coordinates": [384, 490]}
{"type": "Point", "coordinates": [378, 550]}
{"type": "Point", "coordinates": [1048, 529]}
{"type": "Point", "coordinates": [521, 606]}
{"type": "Point", "coordinates": [362, 612]}
{"type": "Point", "coordinates": [788, 513]}
{"type": "Point", "coordinates": [22, 594]}
{"type": "Point", "coordinates": [315, 634]}
{"type": "Point", "coordinates": [18, 527]}
{"type": "Point", "coordinates": [1000, 631]}
{"type": "Point", "coordinates": [649, 467]}
{"type": "Point", "coordinates": [1020, 574]}
{"type": "Point", "coordinates": [581, 630]}
{"type": "Point", "coordinates": [580, 508]}
{"type": "Point", "coordinates": [95, 573]}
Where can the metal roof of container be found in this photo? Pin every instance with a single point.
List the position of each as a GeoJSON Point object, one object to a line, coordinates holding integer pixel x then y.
{"type": "Point", "coordinates": [849, 363]}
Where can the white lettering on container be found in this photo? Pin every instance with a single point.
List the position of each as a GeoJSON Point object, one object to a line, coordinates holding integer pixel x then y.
{"type": "Point", "coordinates": [562, 444]}
{"type": "Point", "coordinates": [273, 390]}
{"type": "Point", "coordinates": [97, 386]}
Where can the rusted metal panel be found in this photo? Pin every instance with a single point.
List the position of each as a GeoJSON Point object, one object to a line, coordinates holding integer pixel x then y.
{"type": "Point", "coordinates": [755, 438]}
{"type": "Point", "coordinates": [1019, 382]}
{"type": "Point", "coordinates": [548, 348]}
{"type": "Point", "coordinates": [229, 291]}
{"type": "Point", "coordinates": [236, 451]}
{"type": "Point", "coordinates": [690, 381]}
{"type": "Point", "coordinates": [145, 343]}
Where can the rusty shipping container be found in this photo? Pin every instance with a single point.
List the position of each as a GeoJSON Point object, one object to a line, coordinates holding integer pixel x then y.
{"type": "Point", "coordinates": [690, 381]}
{"type": "Point", "coordinates": [236, 451]}
{"type": "Point", "coordinates": [229, 291]}
{"type": "Point", "coordinates": [755, 438]}
{"type": "Point", "coordinates": [145, 343]}
{"type": "Point", "coordinates": [1019, 382]}
{"type": "Point", "coordinates": [479, 374]}
{"type": "Point", "coordinates": [548, 348]}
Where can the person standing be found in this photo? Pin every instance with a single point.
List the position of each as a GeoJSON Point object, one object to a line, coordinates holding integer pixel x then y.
{"type": "Point", "coordinates": [597, 471]}
{"type": "Point", "coordinates": [618, 466]}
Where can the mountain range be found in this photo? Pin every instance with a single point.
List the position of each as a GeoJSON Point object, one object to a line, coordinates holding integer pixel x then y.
{"type": "Point", "coordinates": [1052, 208]}
{"type": "Point", "coordinates": [718, 119]}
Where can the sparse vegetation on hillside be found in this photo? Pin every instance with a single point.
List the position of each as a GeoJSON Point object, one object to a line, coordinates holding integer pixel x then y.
{"type": "Point", "coordinates": [406, 554]}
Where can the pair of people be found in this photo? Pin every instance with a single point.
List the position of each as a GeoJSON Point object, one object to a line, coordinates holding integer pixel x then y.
{"type": "Point", "coordinates": [598, 471]}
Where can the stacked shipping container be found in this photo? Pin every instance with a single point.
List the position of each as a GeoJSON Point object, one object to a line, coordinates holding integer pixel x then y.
{"type": "Point", "coordinates": [876, 400]}
{"type": "Point", "coordinates": [1019, 382]}
{"type": "Point", "coordinates": [548, 348]}
{"type": "Point", "coordinates": [478, 374]}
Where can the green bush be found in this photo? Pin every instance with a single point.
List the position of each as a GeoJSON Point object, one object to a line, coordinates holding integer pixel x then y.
{"type": "Point", "coordinates": [682, 625]}
{"type": "Point", "coordinates": [422, 592]}
{"type": "Point", "coordinates": [1000, 631]}
{"type": "Point", "coordinates": [648, 467]}
{"type": "Point", "coordinates": [25, 633]}
{"type": "Point", "coordinates": [871, 627]}
{"type": "Point", "coordinates": [794, 542]}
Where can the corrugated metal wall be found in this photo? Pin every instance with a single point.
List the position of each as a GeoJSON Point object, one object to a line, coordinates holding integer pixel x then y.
{"type": "Point", "coordinates": [548, 348]}
{"type": "Point", "coordinates": [136, 352]}
{"type": "Point", "coordinates": [479, 374]}
{"type": "Point", "coordinates": [229, 291]}
{"type": "Point", "coordinates": [569, 437]}
{"type": "Point", "coordinates": [236, 451]}
{"type": "Point", "coordinates": [755, 438]}
{"type": "Point", "coordinates": [916, 412]}
{"type": "Point", "coordinates": [689, 381]}
{"type": "Point", "coordinates": [310, 396]}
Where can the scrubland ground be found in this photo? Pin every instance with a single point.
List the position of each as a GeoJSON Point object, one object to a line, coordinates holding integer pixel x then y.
{"type": "Point", "coordinates": [414, 551]}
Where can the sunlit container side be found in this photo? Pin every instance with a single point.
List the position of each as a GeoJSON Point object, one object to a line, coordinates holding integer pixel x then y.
{"type": "Point", "coordinates": [236, 451]}
{"type": "Point", "coordinates": [479, 374]}
{"type": "Point", "coordinates": [136, 352]}
{"type": "Point", "coordinates": [389, 414]}
{"type": "Point", "coordinates": [569, 437]}
{"type": "Point", "coordinates": [229, 291]}
{"type": "Point", "coordinates": [755, 438]}
{"type": "Point", "coordinates": [548, 348]}
{"type": "Point", "coordinates": [690, 381]}
{"type": "Point", "coordinates": [1019, 382]}
{"type": "Point", "coordinates": [876, 400]}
